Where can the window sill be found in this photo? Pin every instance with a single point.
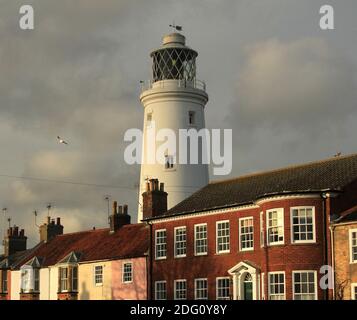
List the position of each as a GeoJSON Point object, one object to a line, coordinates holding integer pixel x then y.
{"type": "Point", "coordinates": [275, 244]}
{"type": "Point", "coordinates": [201, 254]}
{"type": "Point", "coordinates": [180, 257]}
{"type": "Point", "coordinates": [304, 242]}
{"type": "Point", "coordinates": [222, 253]}
{"type": "Point", "coordinates": [158, 259]}
{"type": "Point", "coordinates": [246, 250]}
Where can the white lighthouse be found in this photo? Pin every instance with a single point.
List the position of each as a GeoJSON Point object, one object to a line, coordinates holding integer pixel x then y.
{"type": "Point", "coordinates": [173, 99]}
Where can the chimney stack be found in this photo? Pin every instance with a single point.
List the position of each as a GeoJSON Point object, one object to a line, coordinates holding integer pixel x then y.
{"type": "Point", "coordinates": [154, 199]}
{"type": "Point", "coordinates": [14, 241]}
{"type": "Point", "coordinates": [50, 229]}
{"type": "Point", "coordinates": [119, 217]}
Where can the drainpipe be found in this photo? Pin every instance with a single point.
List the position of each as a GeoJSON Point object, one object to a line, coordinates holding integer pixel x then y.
{"type": "Point", "coordinates": [149, 267]}
{"type": "Point", "coordinates": [325, 218]}
{"type": "Point", "coordinates": [324, 236]}
{"type": "Point", "coordinates": [332, 231]}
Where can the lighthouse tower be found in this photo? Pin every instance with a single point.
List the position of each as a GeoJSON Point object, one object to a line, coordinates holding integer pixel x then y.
{"type": "Point", "coordinates": [173, 99]}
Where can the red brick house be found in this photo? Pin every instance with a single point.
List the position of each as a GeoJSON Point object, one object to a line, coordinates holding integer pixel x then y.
{"type": "Point", "coordinates": [260, 236]}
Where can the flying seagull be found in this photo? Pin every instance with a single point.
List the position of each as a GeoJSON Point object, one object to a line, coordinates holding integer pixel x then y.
{"type": "Point", "coordinates": [61, 140]}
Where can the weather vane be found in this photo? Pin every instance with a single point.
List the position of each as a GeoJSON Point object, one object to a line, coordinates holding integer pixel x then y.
{"type": "Point", "coordinates": [175, 27]}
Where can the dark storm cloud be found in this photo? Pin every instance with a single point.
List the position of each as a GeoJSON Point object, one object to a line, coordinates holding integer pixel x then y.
{"type": "Point", "coordinates": [285, 88]}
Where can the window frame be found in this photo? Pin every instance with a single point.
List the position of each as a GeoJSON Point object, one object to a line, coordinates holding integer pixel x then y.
{"type": "Point", "coordinates": [196, 239]}
{"type": "Point", "coordinates": [131, 272]}
{"type": "Point", "coordinates": [4, 280]}
{"type": "Point", "coordinates": [240, 233]}
{"type": "Point", "coordinates": [176, 242]}
{"type": "Point", "coordinates": [149, 122]}
{"type": "Point", "coordinates": [156, 245]}
{"type": "Point", "coordinates": [98, 284]}
{"type": "Point", "coordinates": [261, 229]}
{"type": "Point", "coordinates": [217, 288]}
{"type": "Point", "coordinates": [62, 279]}
{"type": "Point", "coordinates": [171, 164]}
{"type": "Point", "coordinates": [351, 231]}
{"type": "Point", "coordinates": [156, 291]}
{"type": "Point", "coordinates": [193, 114]}
{"type": "Point", "coordinates": [229, 237]}
{"type": "Point", "coordinates": [175, 288]}
{"type": "Point", "coordinates": [354, 291]}
{"type": "Point", "coordinates": [269, 283]}
{"type": "Point", "coordinates": [36, 279]}
{"type": "Point", "coordinates": [277, 243]}
{"type": "Point", "coordinates": [263, 285]}
{"type": "Point", "coordinates": [292, 225]}
{"type": "Point", "coordinates": [206, 289]}
{"type": "Point", "coordinates": [315, 282]}
{"type": "Point", "coordinates": [74, 279]}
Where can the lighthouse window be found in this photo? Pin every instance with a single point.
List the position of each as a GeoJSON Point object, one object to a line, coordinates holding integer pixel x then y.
{"type": "Point", "coordinates": [169, 162]}
{"type": "Point", "coordinates": [191, 118]}
{"type": "Point", "coordinates": [149, 119]}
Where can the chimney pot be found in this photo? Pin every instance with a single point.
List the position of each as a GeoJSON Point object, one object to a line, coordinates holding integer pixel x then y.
{"type": "Point", "coordinates": [120, 210]}
{"type": "Point", "coordinates": [125, 209]}
{"type": "Point", "coordinates": [16, 231]}
{"type": "Point", "coordinates": [147, 186]}
{"type": "Point", "coordinates": [162, 186]}
{"type": "Point", "coordinates": [22, 232]}
{"type": "Point", "coordinates": [115, 207]}
{"type": "Point", "coordinates": [48, 220]}
{"type": "Point", "coordinates": [58, 221]}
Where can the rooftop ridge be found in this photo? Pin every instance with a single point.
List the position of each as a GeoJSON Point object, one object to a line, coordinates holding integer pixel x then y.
{"type": "Point", "coordinates": [99, 230]}
{"type": "Point", "coordinates": [289, 167]}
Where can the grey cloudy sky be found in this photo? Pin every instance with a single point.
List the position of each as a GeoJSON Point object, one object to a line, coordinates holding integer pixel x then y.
{"type": "Point", "coordinates": [285, 87]}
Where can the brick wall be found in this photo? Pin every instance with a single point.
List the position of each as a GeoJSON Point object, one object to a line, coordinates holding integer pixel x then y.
{"type": "Point", "coordinates": [286, 257]}
{"type": "Point", "coordinates": [345, 272]}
